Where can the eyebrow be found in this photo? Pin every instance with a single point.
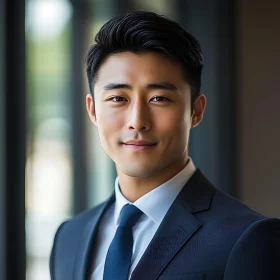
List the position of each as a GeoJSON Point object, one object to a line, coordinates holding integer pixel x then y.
{"type": "Point", "coordinates": [160, 85]}
{"type": "Point", "coordinates": [117, 86]}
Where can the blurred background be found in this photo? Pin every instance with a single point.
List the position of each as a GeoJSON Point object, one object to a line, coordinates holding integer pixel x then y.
{"type": "Point", "coordinates": [51, 163]}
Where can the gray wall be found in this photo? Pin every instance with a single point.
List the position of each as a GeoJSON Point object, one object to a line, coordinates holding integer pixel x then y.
{"type": "Point", "coordinates": [259, 101]}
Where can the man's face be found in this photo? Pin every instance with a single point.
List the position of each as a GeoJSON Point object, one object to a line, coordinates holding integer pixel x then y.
{"type": "Point", "coordinates": [142, 112]}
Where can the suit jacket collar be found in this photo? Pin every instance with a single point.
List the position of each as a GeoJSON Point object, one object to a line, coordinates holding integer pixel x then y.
{"type": "Point", "coordinates": [197, 193]}
{"type": "Point", "coordinates": [177, 227]}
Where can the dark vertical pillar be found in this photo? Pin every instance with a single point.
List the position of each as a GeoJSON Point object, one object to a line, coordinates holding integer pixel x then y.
{"type": "Point", "coordinates": [81, 13]}
{"type": "Point", "coordinates": [212, 143]}
{"type": "Point", "coordinates": [228, 96]}
{"type": "Point", "coordinates": [2, 144]}
{"type": "Point", "coordinates": [14, 134]}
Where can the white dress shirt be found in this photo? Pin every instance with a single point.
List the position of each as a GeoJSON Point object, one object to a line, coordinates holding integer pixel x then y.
{"type": "Point", "coordinates": [153, 204]}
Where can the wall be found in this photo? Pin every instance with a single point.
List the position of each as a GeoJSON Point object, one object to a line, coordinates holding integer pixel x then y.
{"type": "Point", "coordinates": [259, 101]}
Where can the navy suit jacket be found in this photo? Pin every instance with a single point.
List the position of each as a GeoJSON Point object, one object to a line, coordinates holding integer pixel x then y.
{"type": "Point", "coordinates": [205, 234]}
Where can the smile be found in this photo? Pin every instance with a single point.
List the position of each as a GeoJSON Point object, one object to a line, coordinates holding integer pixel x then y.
{"type": "Point", "coordinates": [139, 146]}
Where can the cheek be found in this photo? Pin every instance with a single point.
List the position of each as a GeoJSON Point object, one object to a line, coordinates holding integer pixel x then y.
{"type": "Point", "coordinates": [109, 125]}
{"type": "Point", "coordinates": [173, 125]}
{"type": "Point", "coordinates": [174, 131]}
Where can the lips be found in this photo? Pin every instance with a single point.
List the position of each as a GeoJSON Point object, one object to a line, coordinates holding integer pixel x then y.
{"type": "Point", "coordinates": [139, 143]}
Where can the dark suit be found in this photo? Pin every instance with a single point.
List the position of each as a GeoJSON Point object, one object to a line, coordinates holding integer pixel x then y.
{"type": "Point", "coordinates": [205, 234]}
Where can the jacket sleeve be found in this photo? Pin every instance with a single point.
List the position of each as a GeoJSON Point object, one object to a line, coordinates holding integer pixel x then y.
{"type": "Point", "coordinates": [256, 254]}
{"type": "Point", "coordinates": [52, 256]}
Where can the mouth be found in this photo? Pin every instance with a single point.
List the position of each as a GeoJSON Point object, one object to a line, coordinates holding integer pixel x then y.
{"type": "Point", "coordinates": [138, 145]}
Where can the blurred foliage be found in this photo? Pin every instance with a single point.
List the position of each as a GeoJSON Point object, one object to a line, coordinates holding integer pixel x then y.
{"type": "Point", "coordinates": [48, 77]}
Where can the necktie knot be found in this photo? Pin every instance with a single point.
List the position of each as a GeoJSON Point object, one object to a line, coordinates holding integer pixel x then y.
{"type": "Point", "coordinates": [129, 216]}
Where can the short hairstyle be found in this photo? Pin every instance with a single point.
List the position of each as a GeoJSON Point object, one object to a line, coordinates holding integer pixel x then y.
{"type": "Point", "coordinates": [142, 32]}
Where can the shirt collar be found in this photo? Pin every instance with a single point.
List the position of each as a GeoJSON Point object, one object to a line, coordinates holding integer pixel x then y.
{"type": "Point", "coordinates": [162, 196]}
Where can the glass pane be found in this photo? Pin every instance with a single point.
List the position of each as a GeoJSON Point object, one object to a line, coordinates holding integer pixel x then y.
{"type": "Point", "coordinates": [49, 160]}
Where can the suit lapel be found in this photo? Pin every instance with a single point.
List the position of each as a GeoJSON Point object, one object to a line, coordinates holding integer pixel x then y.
{"type": "Point", "coordinates": [83, 255]}
{"type": "Point", "coordinates": [177, 227]}
{"type": "Point", "coordinates": [172, 234]}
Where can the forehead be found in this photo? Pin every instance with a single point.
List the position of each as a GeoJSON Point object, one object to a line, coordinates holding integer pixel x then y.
{"type": "Point", "coordinates": [146, 67]}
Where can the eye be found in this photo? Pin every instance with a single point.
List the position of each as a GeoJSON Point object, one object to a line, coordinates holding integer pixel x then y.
{"type": "Point", "coordinates": [160, 99]}
{"type": "Point", "coordinates": [117, 99]}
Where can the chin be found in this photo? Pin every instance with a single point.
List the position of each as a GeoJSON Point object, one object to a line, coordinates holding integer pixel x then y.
{"type": "Point", "coordinates": [139, 170]}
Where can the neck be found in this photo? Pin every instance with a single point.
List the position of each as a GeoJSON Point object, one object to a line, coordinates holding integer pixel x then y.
{"type": "Point", "coordinates": [133, 188]}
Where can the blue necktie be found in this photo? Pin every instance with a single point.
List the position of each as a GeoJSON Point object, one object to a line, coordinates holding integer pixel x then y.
{"type": "Point", "coordinates": [119, 254]}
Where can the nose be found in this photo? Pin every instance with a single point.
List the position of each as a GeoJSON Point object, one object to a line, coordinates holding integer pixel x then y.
{"type": "Point", "coordinates": [138, 117]}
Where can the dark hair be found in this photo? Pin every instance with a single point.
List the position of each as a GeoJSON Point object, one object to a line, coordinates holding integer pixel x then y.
{"type": "Point", "coordinates": [141, 32]}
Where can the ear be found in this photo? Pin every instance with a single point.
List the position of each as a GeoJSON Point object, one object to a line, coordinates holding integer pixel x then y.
{"type": "Point", "coordinates": [91, 109]}
{"type": "Point", "coordinates": [198, 109]}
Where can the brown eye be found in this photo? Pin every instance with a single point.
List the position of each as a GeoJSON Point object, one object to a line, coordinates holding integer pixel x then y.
{"type": "Point", "coordinates": [117, 99]}
{"type": "Point", "coordinates": [160, 99]}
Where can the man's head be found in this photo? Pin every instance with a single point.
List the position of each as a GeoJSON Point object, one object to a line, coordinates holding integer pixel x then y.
{"type": "Point", "coordinates": [141, 32]}
{"type": "Point", "coordinates": [144, 74]}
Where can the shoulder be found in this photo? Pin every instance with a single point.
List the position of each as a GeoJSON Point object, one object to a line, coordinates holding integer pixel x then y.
{"type": "Point", "coordinates": [231, 218]}
{"type": "Point", "coordinates": [69, 237]}
{"type": "Point", "coordinates": [78, 223]}
{"type": "Point", "coordinates": [228, 206]}
{"type": "Point", "coordinates": [70, 232]}
{"type": "Point", "coordinates": [222, 205]}
{"type": "Point", "coordinates": [256, 239]}
{"type": "Point", "coordinates": [267, 229]}
{"type": "Point", "coordinates": [256, 253]}
{"type": "Point", "coordinates": [252, 239]}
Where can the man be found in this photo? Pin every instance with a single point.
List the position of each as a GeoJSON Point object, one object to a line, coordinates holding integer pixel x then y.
{"type": "Point", "coordinates": [165, 220]}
